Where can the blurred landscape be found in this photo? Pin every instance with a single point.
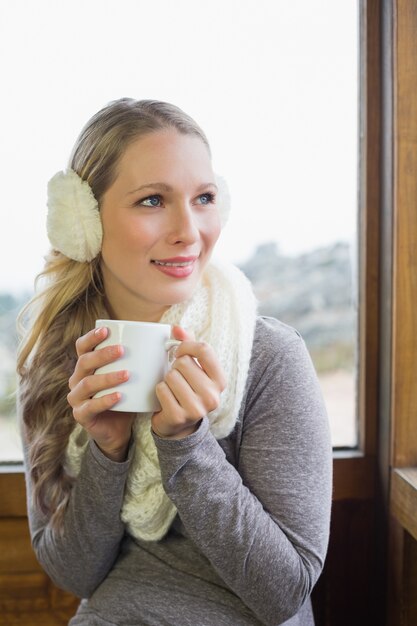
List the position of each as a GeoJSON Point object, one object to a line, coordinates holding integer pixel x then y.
{"type": "Point", "coordinates": [10, 305]}
{"type": "Point", "coordinates": [316, 294]}
{"type": "Point", "coordinates": [313, 292]}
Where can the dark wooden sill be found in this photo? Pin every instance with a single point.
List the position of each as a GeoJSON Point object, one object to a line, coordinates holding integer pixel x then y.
{"type": "Point", "coordinates": [353, 479]}
{"type": "Point", "coordinates": [403, 502]}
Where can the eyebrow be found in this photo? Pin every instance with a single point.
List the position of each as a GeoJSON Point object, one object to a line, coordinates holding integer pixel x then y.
{"type": "Point", "coordinates": [167, 188]}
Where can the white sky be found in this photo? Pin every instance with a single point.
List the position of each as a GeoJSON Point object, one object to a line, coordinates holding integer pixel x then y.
{"type": "Point", "coordinates": [272, 82]}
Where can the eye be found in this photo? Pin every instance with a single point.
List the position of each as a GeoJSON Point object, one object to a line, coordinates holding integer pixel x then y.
{"type": "Point", "coordinates": [206, 198]}
{"type": "Point", "coordinates": [152, 201]}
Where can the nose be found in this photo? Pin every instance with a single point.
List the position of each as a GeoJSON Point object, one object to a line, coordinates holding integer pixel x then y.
{"type": "Point", "coordinates": [183, 227]}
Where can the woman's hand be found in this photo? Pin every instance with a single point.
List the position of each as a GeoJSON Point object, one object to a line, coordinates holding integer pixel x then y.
{"type": "Point", "coordinates": [191, 388]}
{"type": "Point", "coordinates": [111, 430]}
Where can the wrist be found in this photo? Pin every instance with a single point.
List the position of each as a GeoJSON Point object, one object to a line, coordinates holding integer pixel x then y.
{"type": "Point", "coordinates": [180, 434]}
{"type": "Point", "coordinates": [118, 455]}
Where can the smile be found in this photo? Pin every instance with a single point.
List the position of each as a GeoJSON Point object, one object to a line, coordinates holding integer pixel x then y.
{"type": "Point", "coordinates": [176, 267]}
{"type": "Point", "coordinates": [171, 264]}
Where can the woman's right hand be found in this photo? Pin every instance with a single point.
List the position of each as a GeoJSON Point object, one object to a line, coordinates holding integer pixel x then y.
{"type": "Point", "coordinates": [111, 430]}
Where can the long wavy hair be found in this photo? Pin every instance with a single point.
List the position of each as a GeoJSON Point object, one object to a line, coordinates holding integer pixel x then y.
{"type": "Point", "coordinates": [69, 298]}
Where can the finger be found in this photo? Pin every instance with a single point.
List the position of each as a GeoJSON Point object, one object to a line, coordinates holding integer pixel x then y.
{"type": "Point", "coordinates": [180, 388]}
{"type": "Point", "coordinates": [202, 385]}
{"type": "Point", "coordinates": [90, 340]}
{"type": "Point", "coordinates": [191, 371]}
{"type": "Point", "coordinates": [86, 413]}
{"type": "Point", "coordinates": [89, 362]}
{"type": "Point", "coordinates": [90, 385]}
{"type": "Point", "coordinates": [170, 406]}
{"type": "Point", "coordinates": [178, 422]}
{"type": "Point", "coordinates": [192, 387]}
{"type": "Point", "coordinates": [206, 358]}
{"type": "Point", "coordinates": [182, 334]}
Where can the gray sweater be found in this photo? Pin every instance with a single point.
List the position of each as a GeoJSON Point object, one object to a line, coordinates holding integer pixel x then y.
{"type": "Point", "coordinates": [250, 537]}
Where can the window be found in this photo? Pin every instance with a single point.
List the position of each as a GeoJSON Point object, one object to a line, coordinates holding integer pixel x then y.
{"type": "Point", "coordinates": [280, 111]}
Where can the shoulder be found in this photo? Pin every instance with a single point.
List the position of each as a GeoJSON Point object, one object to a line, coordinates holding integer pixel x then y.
{"type": "Point", "coordinates": [279, 356]}
{"type": "Point", "coordinates": [273, 338]}
{"type": "Point", "coordinates": [282, 384]}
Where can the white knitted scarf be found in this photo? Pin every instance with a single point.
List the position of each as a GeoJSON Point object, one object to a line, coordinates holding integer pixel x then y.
{"type": "Point", "coordinates": [222, 312]}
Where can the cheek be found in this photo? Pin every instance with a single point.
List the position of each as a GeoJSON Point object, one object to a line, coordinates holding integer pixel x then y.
{"type": "Point", "coordinates": [214, 230]}
{"type": "Point", "coordinates": [130, 235]}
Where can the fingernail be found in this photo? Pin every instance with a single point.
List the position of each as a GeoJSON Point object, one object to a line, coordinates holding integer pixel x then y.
{"type": "Point", "coordinates": [123, 375]}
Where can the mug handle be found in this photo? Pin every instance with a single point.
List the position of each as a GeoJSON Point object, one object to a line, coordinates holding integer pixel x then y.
{"type": "Point", "coordinates": [170, 346]}
{"type": "Point", "coordinates": [172, 343]}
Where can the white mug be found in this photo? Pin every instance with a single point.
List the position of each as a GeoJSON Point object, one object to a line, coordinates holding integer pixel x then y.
{"type": "Point", "coordinates": [146, 347]}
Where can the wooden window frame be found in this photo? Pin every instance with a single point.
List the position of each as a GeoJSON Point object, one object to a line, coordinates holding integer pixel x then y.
{"type": "Point", "coordinates": [401, 437]}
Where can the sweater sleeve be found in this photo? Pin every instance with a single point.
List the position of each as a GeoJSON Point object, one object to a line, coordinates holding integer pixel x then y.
{"type": "Point", "coordinates": [79, 559]}
{"type": "Point", "coordinates": [263, 524]}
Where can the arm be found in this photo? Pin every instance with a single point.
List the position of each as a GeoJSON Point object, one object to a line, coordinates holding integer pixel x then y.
{"type": "Point", "coordinates": [263, 525]}
{"type": "Point", "coordinates": [81, 556]}
{"type": "Point", "coordinates": [79, 559]}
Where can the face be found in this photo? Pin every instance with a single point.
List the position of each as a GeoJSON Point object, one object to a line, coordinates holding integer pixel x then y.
{"type": "Point", "coordinates": [160, 223]}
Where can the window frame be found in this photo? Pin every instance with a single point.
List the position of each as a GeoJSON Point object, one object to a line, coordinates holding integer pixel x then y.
{"type": "Point", "coordinates": [400, 433]}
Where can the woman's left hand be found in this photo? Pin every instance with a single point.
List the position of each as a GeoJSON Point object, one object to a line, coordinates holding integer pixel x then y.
{"type": "Point", "coordinates": [190, 390]}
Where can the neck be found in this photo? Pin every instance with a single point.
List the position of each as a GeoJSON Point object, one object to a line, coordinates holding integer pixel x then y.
{"type": "Point", "coordinates": [127, 306]}
{"type": "Point", "coordinates": [132, 313]}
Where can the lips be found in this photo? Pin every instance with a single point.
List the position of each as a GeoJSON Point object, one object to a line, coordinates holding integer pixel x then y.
{"type": "Point", "coordinates": [177, 267]}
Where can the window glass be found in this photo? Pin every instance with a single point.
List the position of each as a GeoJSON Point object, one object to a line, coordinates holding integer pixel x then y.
{"type": "Point", "coordinates": [274, 83]}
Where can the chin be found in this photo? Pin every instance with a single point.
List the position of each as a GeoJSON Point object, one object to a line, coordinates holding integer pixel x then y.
{"type": "Point", "coordinates": [177, 296]}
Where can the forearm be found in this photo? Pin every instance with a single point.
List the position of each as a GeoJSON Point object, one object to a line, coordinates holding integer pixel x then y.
{"type": "Point", "coordinates": [271, 573]}
{"type": "Point", "coordinates": [79, 558]}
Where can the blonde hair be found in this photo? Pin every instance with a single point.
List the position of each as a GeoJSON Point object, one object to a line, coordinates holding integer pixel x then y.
{"type": "Point", "coordinates": [71, 299]}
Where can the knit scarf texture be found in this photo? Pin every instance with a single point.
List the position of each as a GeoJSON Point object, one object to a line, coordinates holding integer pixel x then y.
{"type": "Point", "coordinates": [221, 312]}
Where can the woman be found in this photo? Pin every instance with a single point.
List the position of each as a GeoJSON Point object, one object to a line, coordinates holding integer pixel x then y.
{"type": "Point", "coordinates": [214, 510]}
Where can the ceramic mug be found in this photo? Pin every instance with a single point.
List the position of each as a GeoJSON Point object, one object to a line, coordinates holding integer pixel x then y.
{"type": "Point", "coordinates": [146, 357]}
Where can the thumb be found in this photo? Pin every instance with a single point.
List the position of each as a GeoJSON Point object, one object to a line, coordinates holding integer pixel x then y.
{"type": "Point", "coordinates": [181, 334]}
